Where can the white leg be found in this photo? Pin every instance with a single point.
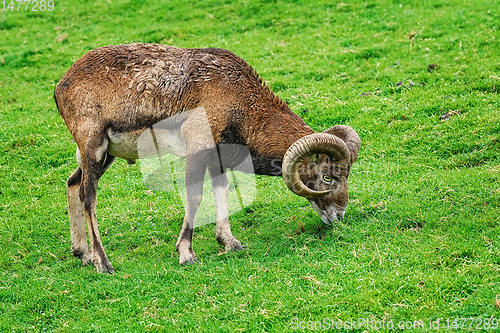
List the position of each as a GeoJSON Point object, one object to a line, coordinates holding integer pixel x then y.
{"type": "Point", "coordinates": [79, 244]}
{"type": "Point", "coordinates": [220, 188]}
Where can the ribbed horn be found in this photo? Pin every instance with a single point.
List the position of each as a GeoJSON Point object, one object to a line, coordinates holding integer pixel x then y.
{"type": "Point", "coordinates": [317, 143]}
{"type": "Point", "coordinates": [349, 136]}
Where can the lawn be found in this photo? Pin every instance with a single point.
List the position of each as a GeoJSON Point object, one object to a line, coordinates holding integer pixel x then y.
{"type": "Point", "coordinates": [418, 80]}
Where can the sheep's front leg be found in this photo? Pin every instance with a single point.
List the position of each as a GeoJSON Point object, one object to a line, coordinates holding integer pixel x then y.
{"type": "Point", "coordinates": [184, 244]}
{"type": "Point", "coordinates": [220, 188]}
{"type": "Point", "coordinates": [196, 166]}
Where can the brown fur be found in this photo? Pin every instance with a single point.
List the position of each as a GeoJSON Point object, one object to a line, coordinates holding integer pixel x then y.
{"type": "Point", "coordinates": [132, 87]}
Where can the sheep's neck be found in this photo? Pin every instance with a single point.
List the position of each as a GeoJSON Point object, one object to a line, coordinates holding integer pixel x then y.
{"type": "Point", "coordinates": [270, 140]}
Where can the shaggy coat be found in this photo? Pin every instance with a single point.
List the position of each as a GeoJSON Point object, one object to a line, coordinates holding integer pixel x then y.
{"type": "Point", "coordinates": [113, 94]}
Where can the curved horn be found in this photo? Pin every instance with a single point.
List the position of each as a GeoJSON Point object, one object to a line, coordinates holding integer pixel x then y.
{"type": "Point", "coordinates": [349, 136]}
{"type": "Point", "coordinates": [316, 143]}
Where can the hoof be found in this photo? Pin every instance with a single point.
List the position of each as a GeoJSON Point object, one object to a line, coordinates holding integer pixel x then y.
{"type": "Point", "coordinates": [191, 262]}
{"type": "Point", "coordinates": [86, 260]}
{"type": "Point", "coordinates": [188, 259]}
{"type": "Point", "coordinates": [234, 246]}
{"type": "Point", "coordinates": [104, 267]}
{"type": "Point", "coordinates": [84, 255]}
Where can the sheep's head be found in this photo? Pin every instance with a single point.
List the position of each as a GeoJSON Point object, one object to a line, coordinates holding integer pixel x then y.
{"type": "Point", "coordinates": [317, 167]}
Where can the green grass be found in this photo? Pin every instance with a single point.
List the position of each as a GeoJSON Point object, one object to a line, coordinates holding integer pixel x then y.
{"type": "Point", "coordinates": [421, 238]}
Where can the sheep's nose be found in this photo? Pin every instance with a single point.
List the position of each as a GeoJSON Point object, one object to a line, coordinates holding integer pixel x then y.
{"type": "Point", "coordinates": [333, 216]}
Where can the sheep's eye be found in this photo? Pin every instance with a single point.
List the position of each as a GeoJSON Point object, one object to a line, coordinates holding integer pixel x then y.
{"type": "Point", "coordinates": [327, 179]}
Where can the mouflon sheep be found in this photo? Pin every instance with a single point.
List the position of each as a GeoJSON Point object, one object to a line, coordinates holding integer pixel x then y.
{"type": "Point", "coordinates": [206, 98]}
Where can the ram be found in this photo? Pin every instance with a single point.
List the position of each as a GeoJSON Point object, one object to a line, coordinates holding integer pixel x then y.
{"type": "Point", "coordinates": [114, 94]}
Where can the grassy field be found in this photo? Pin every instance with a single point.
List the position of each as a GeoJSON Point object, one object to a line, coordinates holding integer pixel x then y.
{"type": "Point", "coordinates": [421, 237]}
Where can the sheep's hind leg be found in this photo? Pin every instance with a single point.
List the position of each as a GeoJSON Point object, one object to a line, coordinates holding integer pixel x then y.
{"type": "Point", "coordinates": [93, 166]}
{"type": "Point", "coordinates": [79, 243]}
{"type": "Point", "coordinates": [223, 234]}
